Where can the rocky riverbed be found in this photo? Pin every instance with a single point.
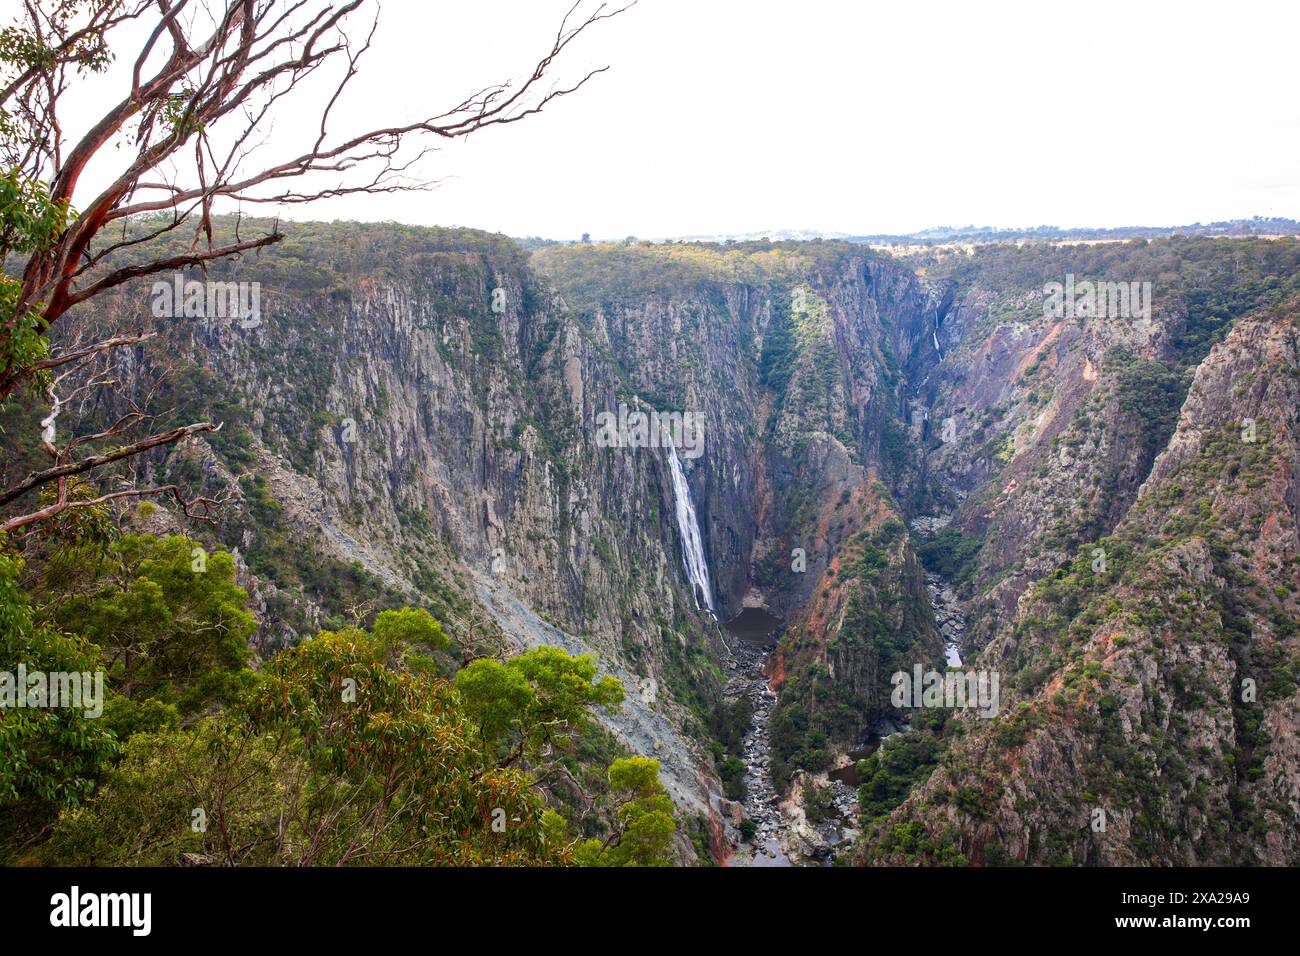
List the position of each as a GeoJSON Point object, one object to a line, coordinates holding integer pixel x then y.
{"type": "Point", "coordinates": [784, 835]}
{"type": "Point", "coordinates": [761, 803]}
{"type": "Point", "coordinates": [948, 616]}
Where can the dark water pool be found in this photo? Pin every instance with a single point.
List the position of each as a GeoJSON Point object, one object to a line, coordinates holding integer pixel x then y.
{"type": "Point", "coordinates": [849, 774]}
{"type": "Point", "coordinates": [755, 626]}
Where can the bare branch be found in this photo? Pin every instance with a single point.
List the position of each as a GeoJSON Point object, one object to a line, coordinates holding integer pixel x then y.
{"type": "Point", "coordinates": [206, 504]}
{"type": "Point", "coordinates": [254, 56]}
{"type": "Point", "coordinates": [38, 478]}
{"type": "Point", "coordinates": [180, 139]}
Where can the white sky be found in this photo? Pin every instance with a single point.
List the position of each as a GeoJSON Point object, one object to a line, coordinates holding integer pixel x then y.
{"type": "Point", "coordinates": [734, 116]}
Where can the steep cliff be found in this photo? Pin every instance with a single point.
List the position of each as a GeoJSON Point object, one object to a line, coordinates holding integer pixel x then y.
{"type": "Point", "coordinates": [1152, 714]}
{"type": "Point", "coordinates": [396, 430]}
{"type": "Point", "coordinates": [794, 352]}
{"type": "Point", "coordinates": [414, 419]}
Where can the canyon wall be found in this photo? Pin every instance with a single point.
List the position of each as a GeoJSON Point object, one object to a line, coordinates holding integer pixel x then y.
{"type": "Point", "coordinates": [414, 420]}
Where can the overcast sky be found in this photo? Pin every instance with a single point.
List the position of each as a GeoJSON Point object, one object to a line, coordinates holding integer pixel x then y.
{"type": "Point", "coordinates": [734, 116]}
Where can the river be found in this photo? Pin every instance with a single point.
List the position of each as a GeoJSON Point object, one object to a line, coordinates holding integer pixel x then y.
{"type": "Point", "coordinates": [779, 840]}
{"type": "Point", "coordinates": [755, 633]}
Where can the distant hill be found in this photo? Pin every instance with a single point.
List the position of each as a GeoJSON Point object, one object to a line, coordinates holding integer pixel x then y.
{"type": "Point", "coordinates": [942, 235]}
{"type": "Point", "coordinates": [1258, 226]}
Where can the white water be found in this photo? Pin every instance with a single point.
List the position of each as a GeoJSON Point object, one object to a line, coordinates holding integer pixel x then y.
{"type": "Point", "coordinates": [697, 570]}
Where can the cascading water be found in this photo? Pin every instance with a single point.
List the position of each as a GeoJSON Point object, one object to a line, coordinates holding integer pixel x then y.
{"type": "Point", "coordinates": [697, 570]}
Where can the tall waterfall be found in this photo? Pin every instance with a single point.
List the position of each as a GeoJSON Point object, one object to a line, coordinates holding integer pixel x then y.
{"type": "Point", "coordinates": [697, 570]}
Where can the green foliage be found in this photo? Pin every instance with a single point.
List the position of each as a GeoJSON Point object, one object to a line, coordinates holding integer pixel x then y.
{"type": "Point", "coordinates": [895, 448]}
{"type": "Point", "coordinates": [728, 723]}
{"type": "Point", "coordinates": [334, 758]}
{"type": "Point", "coordinates": [796, 744]}
{"type": "Point", "coordinates": [731, 771]}
{"type": "Point", "coordinates": [592, 276]}
{"type": "Point", "coordinates": [777, 360]}
{"type": "Point", "coordinates": [167, 630]}
{"type": "Point", "coordinates": [884, 627]}
{"type": "Point", "coordinates": [143, 814]}
{"type": "Point", "coordinates": [645, 819]}
{"type": "Point", "coordinates": [335, 753]}
{"type": "Point", "coordinates": [536, 700]}
{"type": "Point", "coordinates": [409, 626]}
{"type": "Point", "coordinates": [23, 47]}
{"type": "Point", "coordinates": [818, 803]}
{"type": "Point", "coordinates": [900, 763]}
{"type": "Point", "coordinates": [1149, 395]}
{"type": "Point", "coordinates": [912, 842]}
{"type": "Point", "coordinates": [49, 757]}
{"type": "Point", "coordinates": [30, 222]}
{"type": "Point", "coordinates": [950, 554]}
{"type": "Point", "coordinates": [496, 697]}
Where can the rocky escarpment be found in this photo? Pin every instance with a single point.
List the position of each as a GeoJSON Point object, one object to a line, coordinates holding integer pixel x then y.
{"type": "Point", "coordinates": [791, 355]}
{"type": "Point", "coordinates": [414, 421]}
{"type": "Point", "coordinates": [1152, 714]}
{"type": "Point", "coordinates": [1040, 422]}
{"type": "Point", "coordinates": [416, 427]}
{"type": "Point", "coordinates": [413, 418]}
{"type": "Point", "coordinates": [799, 349]}
{"type": "Point", "coordinates": [1040, 438]}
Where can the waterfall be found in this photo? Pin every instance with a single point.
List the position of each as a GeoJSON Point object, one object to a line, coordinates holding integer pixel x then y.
{"type": "Point", "coordinates": [697, 569]}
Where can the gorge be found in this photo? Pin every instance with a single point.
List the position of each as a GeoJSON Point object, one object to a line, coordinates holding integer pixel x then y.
{"type": "Point", "coordinates": [907, 461]}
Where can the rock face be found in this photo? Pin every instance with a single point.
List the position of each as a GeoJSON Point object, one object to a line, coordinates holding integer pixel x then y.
{"type": "Point", "coordinates": [1152, 719]}
{"type": "Point", "coordinates": [394, 432]}
{"type": "Point", "coordinates": [415, 420]}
